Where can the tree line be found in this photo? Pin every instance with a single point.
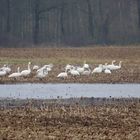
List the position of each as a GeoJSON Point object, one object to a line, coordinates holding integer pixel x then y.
{"type": "Point", "coordinates": [69, 22]}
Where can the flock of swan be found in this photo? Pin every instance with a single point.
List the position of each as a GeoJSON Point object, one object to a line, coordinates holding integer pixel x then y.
{"type": "Point", "coordinates": [85, 70]}
{"type": "Point", "coordinates": [42, 72]}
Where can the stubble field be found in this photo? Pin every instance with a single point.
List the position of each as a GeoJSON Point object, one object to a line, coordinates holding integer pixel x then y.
{"type": "Point", "coordinates": [109, 119]}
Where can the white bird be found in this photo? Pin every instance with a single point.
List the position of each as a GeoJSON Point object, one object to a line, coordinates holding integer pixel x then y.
{"type": "Point", "coordinates": [42, 74]}
{"type": "Point", "coordinates": [114, 67]}
{"type": "Point", "coordinates": [98, 69]}
{"type": "Point", "coordinates": [107, 71]}
{"type": "Point", "coordinates": [74, 72]}
{"type": "Point", "coordinates": [118, 66]}
{"type": "Point", "coordinates": [113, 62]}
{"type": "Point", "coordinates": [111, 66]}
{"type": "Point", "coordinates": [2, 73]}
{"type": "Point", "coordinates": [6, 68]}
{"type": "Point", "coordinates": [105, 66]}
{"type": "Point", "coordinates": [62, 75]}
{"type": "Point", "coordinates": [15, 74]}
{"type": "Point", "coordinates": [80, 69]}
{"type": "Point", "coordinates": [48, 67]}
{"type": "Point", "coordinates": [86, 66]}
{"type": "Point", "coordinates": [26, 72]}
{"type": "Point", "coordinates": [35, 67]}
{"type": "Point", "coordinates": [86, 72]}
{"type": "Point", "coordinates": [68, 67]}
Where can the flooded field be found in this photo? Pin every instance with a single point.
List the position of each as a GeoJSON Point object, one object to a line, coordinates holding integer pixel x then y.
{"type": "Point", "coordinates": [53, 91]}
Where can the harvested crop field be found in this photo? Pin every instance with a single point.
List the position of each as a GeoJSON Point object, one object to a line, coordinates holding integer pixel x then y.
{"type": "Point", "coordinates": [130, 57]}
{"type": "Point", "coordinates": [116, 119]}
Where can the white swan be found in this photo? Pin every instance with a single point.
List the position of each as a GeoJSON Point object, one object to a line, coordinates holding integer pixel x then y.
{"type": "Point", "coordinates": [2, 73]}
{"type": "Point", "coordinates": [118, 66]}
{"type": "Point", "coordinates": [114, 67]}
{"type": "Point", "coordinates": [68, 67]}
{"type": "Point", "coordinates": [48, 67]}
{"type": "Point", "coordinates": [74, 72]}
{"type": "Point", "coordinates": [35, 67]}
{"type": "Point", "coordinates": [15, 74]}
{"type": "Point", "coordinates": [26, 72]}
{"type": "Point", "coordinates": [107, 71]}
{"type": "Point", "coordinates": [111, 66]}
{"type": "Point", "coordinates": [62, 75]}
{"type": "Point", "coordinates": [86, 72]}
{"type": "Point", "coordinates": [42, 74]}
{"type": "Point", "coordinates": [98, 69]}
{"type": "Point", "coordinates": [86, 66]}
{"type": "Point", "coordinates": [80, 69]}
{"type": "Point", "coordinates": [6, 68]}
{"type": "Point", "coordinates": [104, 66]}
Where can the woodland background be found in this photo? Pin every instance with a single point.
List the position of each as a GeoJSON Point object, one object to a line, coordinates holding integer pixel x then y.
{"type": "Point", "coordinates": [69, 22]}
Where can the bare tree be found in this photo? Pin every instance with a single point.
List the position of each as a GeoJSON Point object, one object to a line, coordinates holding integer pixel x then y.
{"type": "Point", "coordinates": [8, 3]}
{"type": "Point", "coordinates": [90, 18]}
{"type": "Point", "coordinates": [62, 8]}
{"type": "Point", "coordinates": [38, 12]}
{"type": "Point", "coordinates": [138, 5]}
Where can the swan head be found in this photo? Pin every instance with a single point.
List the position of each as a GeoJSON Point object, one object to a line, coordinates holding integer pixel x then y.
{"type": "Point", "coordinates": [29, 63]}
{"type": "Point", "coordinates": [113, 62]}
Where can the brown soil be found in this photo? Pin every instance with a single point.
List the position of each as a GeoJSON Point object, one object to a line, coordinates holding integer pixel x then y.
{"type": "Point", "coordinates": [130, 71]}
{"type": "Point", "coordinates": [119, 121]}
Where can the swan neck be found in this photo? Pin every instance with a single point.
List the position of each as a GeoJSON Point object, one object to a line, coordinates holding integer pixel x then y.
{"type": "Point", "coordinates": [29, 67]}
{"type": "Point", "coordinates": [18, 70]}
{"type": "Point", "coordinates": [120, 63]}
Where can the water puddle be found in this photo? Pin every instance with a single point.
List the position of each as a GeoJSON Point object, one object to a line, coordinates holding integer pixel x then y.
{"type": "Point", "coordinates": [52, 91]}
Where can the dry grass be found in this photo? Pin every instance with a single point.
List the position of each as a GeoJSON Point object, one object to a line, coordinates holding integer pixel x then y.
{"type": "Point", "coordinates": [55, 121]}
{"type": "Point", "coordinates": [130, 56]}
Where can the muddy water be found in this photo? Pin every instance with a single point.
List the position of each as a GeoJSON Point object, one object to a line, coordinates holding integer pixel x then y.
{"type": "Point", "coordinates": [52, 91]}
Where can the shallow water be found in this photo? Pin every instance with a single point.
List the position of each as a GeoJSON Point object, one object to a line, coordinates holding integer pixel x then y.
{"type": "Point", "coordinates": [52, 91]}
